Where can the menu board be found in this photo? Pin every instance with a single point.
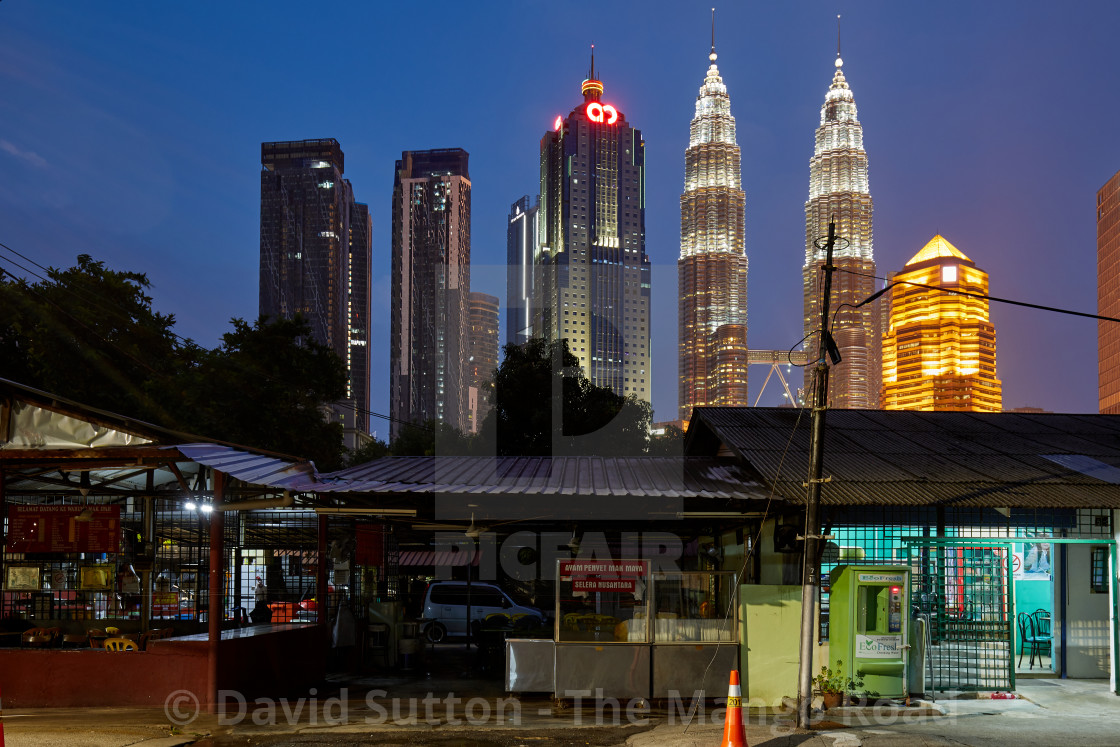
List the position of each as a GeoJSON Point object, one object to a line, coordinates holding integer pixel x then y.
{"type": "Point", "coordinates": [47, 529]}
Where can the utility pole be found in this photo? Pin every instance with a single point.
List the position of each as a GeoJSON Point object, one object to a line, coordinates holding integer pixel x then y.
{"type": "Point", "coordinates": [810, 579]}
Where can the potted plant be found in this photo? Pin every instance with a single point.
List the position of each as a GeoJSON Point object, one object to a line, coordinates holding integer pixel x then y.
{"type": "Point", "coordinates": [832, 685]}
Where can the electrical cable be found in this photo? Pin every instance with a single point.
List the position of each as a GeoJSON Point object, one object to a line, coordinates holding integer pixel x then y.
{"type": "Point", "coordinates": [1040, 307]}
{"type": "Point", "coordinates": [748, 554]}
{"type": "Point", "coordinates": [122, 313]}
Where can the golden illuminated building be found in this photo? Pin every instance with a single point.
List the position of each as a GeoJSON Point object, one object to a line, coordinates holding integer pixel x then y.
{"type": "Point", "coordinates": [939, 352]}
{"type": "Point", "coordinates": [712, 269]}
{"type": "Point", "coordinates": [839, 191]}
{"type": "Point", "coordinates": [1108, 295]}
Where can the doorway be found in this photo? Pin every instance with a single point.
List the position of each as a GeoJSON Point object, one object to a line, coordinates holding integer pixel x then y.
{"type": "Point", "coordinates": [1033, 576]}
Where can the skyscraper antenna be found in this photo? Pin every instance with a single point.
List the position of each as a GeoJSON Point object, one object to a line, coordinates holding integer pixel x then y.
{"type": "Point", "coordinates": [713, 30]}
{"type": "Point", "coordinates": [838, 35]}
{"type": "Point", "coordinates": [592, 75]}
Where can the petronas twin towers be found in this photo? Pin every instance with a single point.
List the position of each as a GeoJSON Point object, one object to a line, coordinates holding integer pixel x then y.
{"type": "Point", "coordinates": [712, 269]}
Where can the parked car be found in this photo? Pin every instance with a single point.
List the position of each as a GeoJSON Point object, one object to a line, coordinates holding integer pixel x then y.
{"type": "Point", "coordinates": [445, 607]}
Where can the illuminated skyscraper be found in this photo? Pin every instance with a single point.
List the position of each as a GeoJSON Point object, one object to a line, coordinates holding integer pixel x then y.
{"type": "Point", "coordinates": [429, 374]}
{"type": "Point", "coordinates": [521, 247]}
{"type": "Point", "coordinates": [483, 358]}
{"type": "Point", "coordinates": [315, 260]}
{"type": "Point", "coordinates": [1108, 295]}
{"type": "Point", "coordinates": [592, 280]}
{"type": "Point", "coordinates": [939, 352]}
{"type": "Point", "coordinates": [712, 269]}
{"type": "Point", "coordinates": [838, 188]}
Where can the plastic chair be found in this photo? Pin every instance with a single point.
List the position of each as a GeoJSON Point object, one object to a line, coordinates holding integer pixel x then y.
{"type": "Point", "coordinates": [75, 640]}
{"type": "Point", "coordinates": [120, 644]}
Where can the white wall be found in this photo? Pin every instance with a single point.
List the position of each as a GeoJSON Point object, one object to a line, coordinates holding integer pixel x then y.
{"type": "Point", "coordinates": [1086, 619]}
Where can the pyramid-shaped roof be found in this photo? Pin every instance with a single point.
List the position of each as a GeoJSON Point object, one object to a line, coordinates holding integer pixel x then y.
{"type": "Point", "coordinates": [937, 247]}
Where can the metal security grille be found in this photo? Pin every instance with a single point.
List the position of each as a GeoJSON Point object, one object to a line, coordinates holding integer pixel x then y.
{"type": "Point", "coordinates": [942, 546]}
{"type": "Point", "coordinates": [963, 592]}
{"type": "Point", "coordinates": [881, 534]}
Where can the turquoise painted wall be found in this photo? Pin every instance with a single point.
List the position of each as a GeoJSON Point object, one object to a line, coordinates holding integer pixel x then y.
{"type": "Point", "coordinates": [1031, 596]}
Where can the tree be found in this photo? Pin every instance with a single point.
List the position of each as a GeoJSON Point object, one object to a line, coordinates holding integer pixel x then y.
{"type": "Point", "coordinates": [542, 404]}
{"type": "Point", "coordinates": [90, 334]}
{"type": "Point", "coordinates": [669, 443]}
{"type": "Point", "coordinates": [268, 385]}
{"type": "Point", "coordinates": [372, 449]}
{"type": "Point", "coordinates": [431, 439]}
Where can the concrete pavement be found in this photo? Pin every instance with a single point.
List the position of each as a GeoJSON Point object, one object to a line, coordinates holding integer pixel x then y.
{"type": "Point", "coordinates": [455, 705]}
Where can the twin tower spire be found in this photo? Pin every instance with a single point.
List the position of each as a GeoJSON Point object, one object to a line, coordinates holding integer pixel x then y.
{"type": "Point", "coordinates": [712, 270]}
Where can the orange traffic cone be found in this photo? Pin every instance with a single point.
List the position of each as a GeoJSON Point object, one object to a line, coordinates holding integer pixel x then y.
{"type": "Point", "coordinates": [734, 734]}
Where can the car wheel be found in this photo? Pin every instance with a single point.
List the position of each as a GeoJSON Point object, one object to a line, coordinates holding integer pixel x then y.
{"type": "Point", "coordinates": [435, 633]}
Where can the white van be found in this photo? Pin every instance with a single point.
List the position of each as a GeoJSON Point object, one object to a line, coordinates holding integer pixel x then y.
{"type": "Point", "coordinates": [445, 607]}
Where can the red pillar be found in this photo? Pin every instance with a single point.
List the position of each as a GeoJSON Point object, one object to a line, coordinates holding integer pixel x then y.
{"type": "Point", "coordinates": [217, 578]}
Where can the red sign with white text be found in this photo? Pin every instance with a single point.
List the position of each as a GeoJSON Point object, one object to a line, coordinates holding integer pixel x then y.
{"type": "Point", "coordinates": [600, 567]}
{"type": "Point", "coordinates": [604, 584]}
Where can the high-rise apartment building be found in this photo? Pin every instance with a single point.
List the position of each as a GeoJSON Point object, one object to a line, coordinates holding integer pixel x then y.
{"type": "Point", "coordinates": [592, 281]}
{"type": "Point", "coordinates": [429, 374]}
{"type": "Point", "coordinates": [1108, 295]}
{"type": "Point", "coordinates": [838, 189]}
{"type": "Point", "coordinates": [939, 352]}
{"type": "Point", "coordinates": [712, 269]}
{"type": "Point", "coordinates": [483, 358]}
{"type": "Point", "coordinates": [521, 248]}
{"type": "Point", "coordinates": [315, 260]}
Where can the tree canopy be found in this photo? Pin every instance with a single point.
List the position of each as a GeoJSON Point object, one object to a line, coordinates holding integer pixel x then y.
{"type": "Point", "coordinates": [543, 404]}
{"type": "Point", "coordinates": [90, 334]}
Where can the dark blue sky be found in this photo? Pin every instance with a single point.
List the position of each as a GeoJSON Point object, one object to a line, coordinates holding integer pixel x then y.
{"type": "Point", "coordinates": [132, 131]}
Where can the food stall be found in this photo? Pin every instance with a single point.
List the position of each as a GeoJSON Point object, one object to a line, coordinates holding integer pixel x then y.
{"type": "Point", "coordinates": [622, 630]}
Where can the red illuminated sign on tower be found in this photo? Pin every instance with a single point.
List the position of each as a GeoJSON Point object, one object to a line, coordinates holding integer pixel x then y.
{"type": "Point", "coordinates": [558, 123]}
{"type": "Point", "coordinates": [597, 112]}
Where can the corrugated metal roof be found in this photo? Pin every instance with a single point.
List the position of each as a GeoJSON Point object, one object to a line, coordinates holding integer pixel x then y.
{"type": "Point", "coordinates": [879, 457]}
{"type": "Point", "coordinates": [661, 477]}
{"type": "Point", "coordinates": [253, 468]}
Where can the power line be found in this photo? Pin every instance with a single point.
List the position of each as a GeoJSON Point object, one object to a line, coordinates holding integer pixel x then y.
{"type": "Point", "coordinates": [117, 310]}
{"type": "Point", "coordinates": [1040, 307]}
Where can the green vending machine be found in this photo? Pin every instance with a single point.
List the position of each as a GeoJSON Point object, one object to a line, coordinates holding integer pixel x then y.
{"type": "Point", "coordinates": [869, 626]}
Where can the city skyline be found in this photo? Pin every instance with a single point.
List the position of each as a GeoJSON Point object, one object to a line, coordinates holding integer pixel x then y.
{"type": "Point", "coordinates": [949, 133]}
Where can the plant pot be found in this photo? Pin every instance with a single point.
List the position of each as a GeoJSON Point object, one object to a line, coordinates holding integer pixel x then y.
{"type": "Point", "coordinates": [832, 700]}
